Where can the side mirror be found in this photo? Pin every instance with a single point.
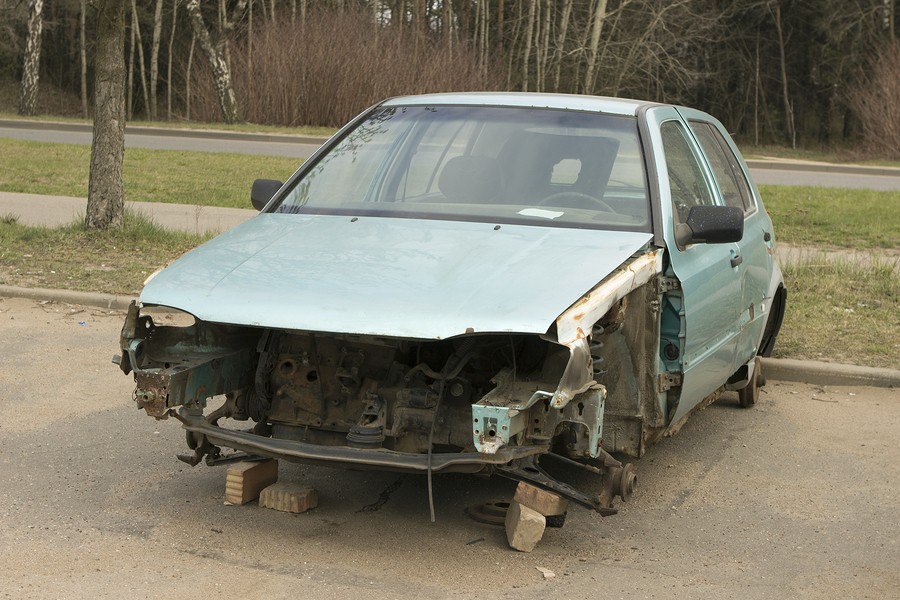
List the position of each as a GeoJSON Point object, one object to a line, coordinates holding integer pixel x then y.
{"type": "Point", "coordinates": [262, 191]}
{"type": "Point", "coordinates": [711, 225]}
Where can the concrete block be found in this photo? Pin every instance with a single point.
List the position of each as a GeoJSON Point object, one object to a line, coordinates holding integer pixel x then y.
{"type": "Point", "coordinates": [542, 501]}
{"type": "Point", "coordinates": [524, 527]}
{"type": "Point", "coordinates": [289, 497]}
{"type": "Point", "coordinates": [245, 480]}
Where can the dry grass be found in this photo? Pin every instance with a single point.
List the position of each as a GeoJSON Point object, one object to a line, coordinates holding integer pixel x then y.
{"type": "Point", "coordinates": [842, 312]}
{"type": "Point", "coordinates": [74, 258]}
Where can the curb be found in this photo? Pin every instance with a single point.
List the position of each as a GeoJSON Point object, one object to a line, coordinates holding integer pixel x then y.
{"type": "Point", "coordinates": [776, 369]}
{"type": "Point", "coordinates": [97, 300]}
{"type": "Point", "coordinates": [823, 373]}
{"type": "Point", "coordinates": [777, 165]}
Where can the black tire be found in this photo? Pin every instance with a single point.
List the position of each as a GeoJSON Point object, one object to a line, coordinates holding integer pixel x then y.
{"type": "Point", "coordinates": [750, 394]}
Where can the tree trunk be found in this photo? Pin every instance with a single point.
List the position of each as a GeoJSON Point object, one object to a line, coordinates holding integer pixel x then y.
{"type": "Point", "coordinates": [215, 51]}
{"type": "Point", "coordinates": [136, 25]}
{"type": "Point", "coordinates": [526, 54]}
{"type": "Point", "coordinates": [154, 57]}
{"type": "Point", "coordinates": [596, 29]}
{"type": "Point", "coordinates": [169, 65]}
{"type": "Point", "coordinates": [561, 43]}
{"type": "Point", "coordinates": [545, 46]}
{"type": "Point", "coordinates": [187, 78]}
{"type": "Point", "coordinates": [788, 109]}
{"type": "Point", "coordinates": [106, 193]}
{"type": "Point", "coordinates": [129, 87]}
{"type": "Point", "coordinates": [83, 55]}
{"type": "Point", "coordinates": [32, 66]}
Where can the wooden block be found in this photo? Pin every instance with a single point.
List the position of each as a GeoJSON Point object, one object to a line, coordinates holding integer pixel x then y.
{"type": "Point", "coordinates": [289, 497]}
{"type": "Point", "coordinates": [544, 502]}
{"type": "Point", "coordinates": [524, 527]}
{"type": "Point", "coordinates": [245, 480]}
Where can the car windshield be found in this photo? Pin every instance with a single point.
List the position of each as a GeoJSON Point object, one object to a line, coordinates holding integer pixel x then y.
{"type": "Point", "coordinates": [488, 164]}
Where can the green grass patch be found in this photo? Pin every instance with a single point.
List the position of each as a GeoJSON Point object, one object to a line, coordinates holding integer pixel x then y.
{"type": "Point", "coordinates": [834, 217]}
{"type": "Point", "coordinates": [843, 312]}
{"type": "Point", "coordinates": [211, 179]}
{"type": "Point", "coordinates": [74, 258]}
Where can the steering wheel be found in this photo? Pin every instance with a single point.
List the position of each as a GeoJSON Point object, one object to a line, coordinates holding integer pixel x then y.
{"type": "Point", "coordinates": [576, 196]}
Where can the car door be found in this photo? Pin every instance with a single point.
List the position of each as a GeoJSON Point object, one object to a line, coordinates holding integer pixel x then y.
{"type": "Point", "coordinates": [754, 254]}
{"type": "Point", "coordinates": [710, 293]}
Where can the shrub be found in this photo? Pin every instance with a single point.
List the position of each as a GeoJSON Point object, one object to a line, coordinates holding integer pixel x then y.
{"type": "Point", "coordinates": [876, 101]}
{"type": "Point", "coordinates": [337, 65]}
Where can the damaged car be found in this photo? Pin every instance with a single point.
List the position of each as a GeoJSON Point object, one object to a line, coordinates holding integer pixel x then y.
{"type": "Point", "coordinates": [479, 283]}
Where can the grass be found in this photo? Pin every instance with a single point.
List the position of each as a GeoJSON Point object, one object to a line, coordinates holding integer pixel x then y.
{"type": "Point", "coordinates": [219, 179]}
{"type": "Point", "coordinates": [78, 259]}
{"type": "Point", "coordinates": [842, 312]}
{"type": "Point", "coordinates": [838, 218]}
{"type": "Point", "coordinates": [195, 125]}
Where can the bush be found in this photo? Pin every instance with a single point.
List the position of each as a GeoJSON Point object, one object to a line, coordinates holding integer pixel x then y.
{"type": "Point", "coordinates": [337, 65]}
{"type": "Point", "coordinates": [876, 101]}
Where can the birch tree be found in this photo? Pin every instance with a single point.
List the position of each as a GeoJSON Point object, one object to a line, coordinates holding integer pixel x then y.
{"type": "Point", "coordinates": [83, 55]}
{"type": "Point", "coordinates": [106, 192]}
{"type": "Point", "coordinates": [31, 68]}
{"type": "Point", "coordinates": [596, 30]}
{"type": "Point", "coordinates": [169, 65]}
{"type": "Point", "coordinates": [154, 57]}
{"type": "Point", "coordinates": [526, 54]}
{"type": "Point", "coordinates": [216, 53]}
{"type": "Point", "coordinates": [136, 27]}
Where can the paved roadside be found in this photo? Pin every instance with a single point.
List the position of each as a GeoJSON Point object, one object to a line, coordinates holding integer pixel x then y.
{"type": "Point", "coordinates": [56, 211]}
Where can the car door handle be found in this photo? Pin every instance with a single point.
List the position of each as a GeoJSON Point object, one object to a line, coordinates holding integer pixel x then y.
{"type": "Point", "coordinates": [736, 260]}
{"type": "Point", "coordinates": [767, 237]}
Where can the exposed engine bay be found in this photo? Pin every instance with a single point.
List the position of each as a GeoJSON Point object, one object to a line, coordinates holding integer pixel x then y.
{"type": "Point", "coordinates": [493, 403]}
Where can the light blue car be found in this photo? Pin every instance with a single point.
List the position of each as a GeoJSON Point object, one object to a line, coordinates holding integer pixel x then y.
{"type": "Point", "coordinates": [477, 282]}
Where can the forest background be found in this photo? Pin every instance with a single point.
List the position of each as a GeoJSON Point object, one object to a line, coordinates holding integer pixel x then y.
{"type": "Point", "coordinates": [815, 73]}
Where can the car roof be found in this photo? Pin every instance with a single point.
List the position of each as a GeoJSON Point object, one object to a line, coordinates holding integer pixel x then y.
{"type": "Point", "coordinates": [617, 106]}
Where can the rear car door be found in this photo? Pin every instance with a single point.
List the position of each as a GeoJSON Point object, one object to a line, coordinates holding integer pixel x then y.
{"type": "Point", "coordinates": [707, 307]}
{"type": "Point", "coordinates": [755, 248]}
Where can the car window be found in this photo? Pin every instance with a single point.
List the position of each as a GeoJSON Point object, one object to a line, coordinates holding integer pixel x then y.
{"type": "Point", "coordinates": [724, 165]}
{"type": "Point", "coordinates": [686, 180]}
{"type": "Point", "coordinates": [497, 164]}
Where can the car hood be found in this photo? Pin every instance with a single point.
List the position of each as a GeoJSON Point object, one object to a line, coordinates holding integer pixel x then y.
{"type": "Point", "coordinates": [410, 278]}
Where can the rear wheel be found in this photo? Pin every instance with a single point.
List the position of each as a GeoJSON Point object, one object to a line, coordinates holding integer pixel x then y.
{"type": "Point", "coordinates": [750, 394]}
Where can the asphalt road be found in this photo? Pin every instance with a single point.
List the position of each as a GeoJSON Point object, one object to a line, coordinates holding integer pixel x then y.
{"type": "Point", "coordinates": [169, 142]}
{"type": "Point", "coordinates": [180, 140]}
{"type": "Point", "coordinates": [795, 498]}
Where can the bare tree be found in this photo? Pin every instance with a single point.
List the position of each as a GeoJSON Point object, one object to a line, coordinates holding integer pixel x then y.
{"type": "Point", "coordinates": [106, 191]}
{"type": "Point", "coordinates": [31, 69]}
{"type": "Point", "coordinates": [561, 42]}
{"type": "Point", "coordinates": [82, 47]}
{"type": "Point", "coordinates": [526, 54]}
{"type": "Point", "coordinates": [788, 108]}
{"type": "Point", "coordinates": [169, 65]}
{"type": "Point", "coordinates": [216, 53]}
{"type": "Point", "coordinates": [154, 57]}
{"type": "Point", "coordinates": [136, 27]}
{"type": "Point", "coordinates": [596, 30]}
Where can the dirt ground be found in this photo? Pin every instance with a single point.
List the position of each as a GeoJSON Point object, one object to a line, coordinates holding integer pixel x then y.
{"type": "Point", "coordinates": [795, 498]}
